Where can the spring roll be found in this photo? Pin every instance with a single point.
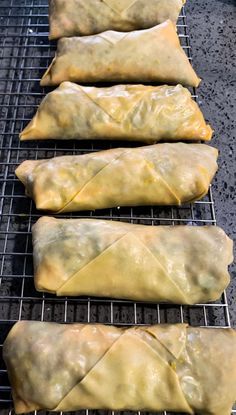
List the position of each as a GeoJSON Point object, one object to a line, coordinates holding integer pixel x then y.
{"type": "Point", "coordinates": [162, 174]}
{"type": "Point", "coordinates": [151, 55]}
{"type": "Point", "coordinates": [177, 264]}
{"type": "Point", "coordinates": [61, 367]}
{"type": "Point", "coordinates": [128, 112]}
{"type": "Point", "coordinates": [88, 17]}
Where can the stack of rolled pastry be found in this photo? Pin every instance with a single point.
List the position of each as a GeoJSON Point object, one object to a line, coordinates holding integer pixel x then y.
{"type": "Point", "coordinates": [70, 367]}
{"type": "Point", "coordinates": [177, 264]}
{"type": "Point", "coordinates": [151, 55]}
{"type": "Point", "coordinates": [128, 112]}
{"type": "Point", "coordinates": [162, 174]}
{"type": "Point", "coordinates": [87, 17]}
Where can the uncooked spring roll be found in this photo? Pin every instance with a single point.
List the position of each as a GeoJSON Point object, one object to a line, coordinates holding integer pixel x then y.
{"type": "Point", "coordinates": [151, 55]}
{"type": "Point", "coordinates": [177, 264]}
{"type": "Point", "coordinates": [61, 367]}
{"type": "Point", "coordinates": [162, 174]}
{"type": "Point", "coordinates": [87, 17]}
{"type": "Point", "coordinates": [128, 112]}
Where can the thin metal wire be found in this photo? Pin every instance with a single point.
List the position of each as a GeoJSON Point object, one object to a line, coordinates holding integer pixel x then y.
{"type": "Point", "coordinates": [25, 53]}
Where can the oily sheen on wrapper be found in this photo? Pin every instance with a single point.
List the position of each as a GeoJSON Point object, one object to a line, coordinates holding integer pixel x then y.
{"type": "Point", "coordinates": [79, 366]}
{"type": "Point", "coordinates": [151, 55]}
{"type": "Point", "coordinates": [177, 264]}
{"type": "Point", "coordinates": [87, 17]}
{"type": "Point", "coordinates": [162, 174]}
{"type": "Point", "coordinates": [127, 112]}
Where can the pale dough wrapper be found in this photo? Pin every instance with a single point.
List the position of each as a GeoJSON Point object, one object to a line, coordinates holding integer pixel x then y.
{"type": "Point", "coordinates": [162, 174]}
{"type": "Point", "coordinates": [88, 17]}
{"type": "Point", "coordinates": [151, 55]}
{"type": "Point", "coordinates": [177, 264]}
{"type": "Point", "coordinates": [177, 368]}
{"type": "Point", "coordinates": [128, 112]}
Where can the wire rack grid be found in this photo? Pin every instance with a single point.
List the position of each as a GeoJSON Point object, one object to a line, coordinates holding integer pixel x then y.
{"type": "Point", "coordinates": [25, 55]}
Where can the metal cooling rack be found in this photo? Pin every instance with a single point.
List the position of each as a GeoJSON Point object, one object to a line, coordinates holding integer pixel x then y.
{"type": "Point", "coordinates": [25, 55]}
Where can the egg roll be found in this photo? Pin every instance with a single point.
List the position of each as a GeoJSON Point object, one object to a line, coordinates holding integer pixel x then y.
{"type": "Point", "coordinates": [151, 55]}
{"type": "Point", "coordinates": [127, 112]}
{"type": "Point", "coordinates": [87, 17]}
{"type": "Point", "coordinates": [162, 174]}
{"type": "Point", "coordinates": [175, 264]}
{"type": "Point", "coordinates": [68, 367]}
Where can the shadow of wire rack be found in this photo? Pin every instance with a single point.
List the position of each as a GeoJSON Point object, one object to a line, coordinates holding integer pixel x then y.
{"type": "Point", "coordinates": [25, 54]}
